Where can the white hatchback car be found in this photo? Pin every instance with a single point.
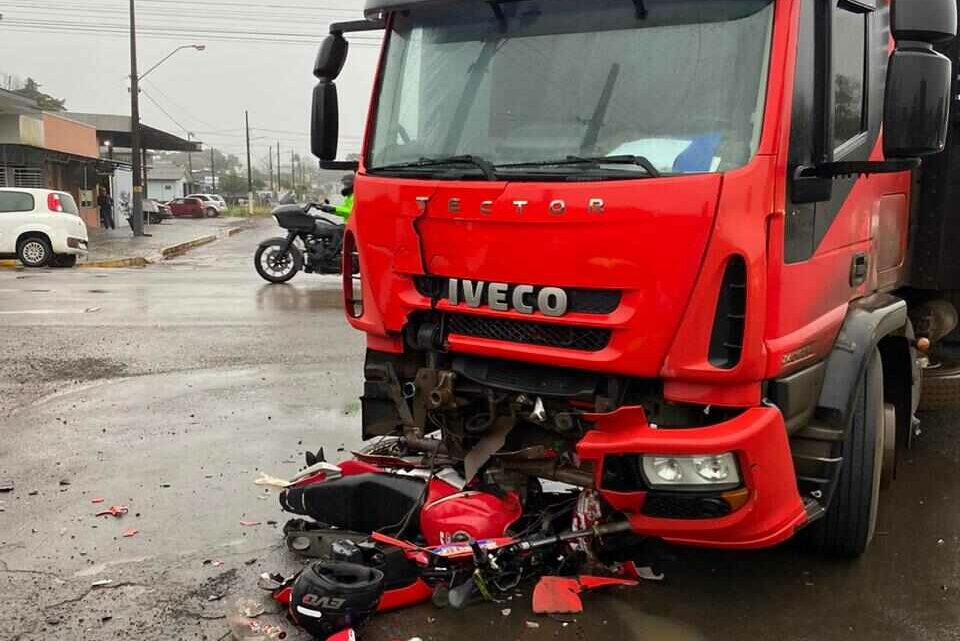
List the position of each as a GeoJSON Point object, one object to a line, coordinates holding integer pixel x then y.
{"type": "Point", "coordinates": [41, 227]}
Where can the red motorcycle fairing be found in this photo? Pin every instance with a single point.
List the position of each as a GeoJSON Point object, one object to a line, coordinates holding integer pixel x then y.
{"type": "Point", "coordinates": [368, 499]}
{"type": "Point", "coordinates": [450, 515]}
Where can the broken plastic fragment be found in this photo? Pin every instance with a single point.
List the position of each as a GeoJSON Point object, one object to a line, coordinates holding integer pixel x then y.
{"type": "Point", "coordinates": [249, 608]}
{"type": "Point", "coordinates": [249, 523]}
{"type": "Point", "coordinates": [97, 500]}
{"type": "Point", "coordinates": [101, 583]}
{"type": "Point", "coordinates": [533, 625]}
{"type": "Point", "coordinates": [130, 533]}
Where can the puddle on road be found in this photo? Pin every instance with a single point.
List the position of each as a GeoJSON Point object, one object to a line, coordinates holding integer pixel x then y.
{"type": "Point", "coordinates": [290, 298]}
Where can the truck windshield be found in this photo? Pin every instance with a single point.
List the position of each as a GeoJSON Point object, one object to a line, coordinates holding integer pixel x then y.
{"type": "Point", "coordinates": [524, 84]}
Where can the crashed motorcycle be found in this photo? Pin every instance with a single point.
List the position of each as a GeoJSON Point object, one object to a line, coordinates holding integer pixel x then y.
{"type": "Point", "coordinates": [314, 243]}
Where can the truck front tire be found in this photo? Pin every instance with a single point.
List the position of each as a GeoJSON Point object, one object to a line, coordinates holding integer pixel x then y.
{"type": "Point", "coordinates": [848, 527]}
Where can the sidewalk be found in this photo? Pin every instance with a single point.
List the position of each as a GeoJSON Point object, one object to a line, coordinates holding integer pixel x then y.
{"type": "Point", "coordinates": [118, 247]}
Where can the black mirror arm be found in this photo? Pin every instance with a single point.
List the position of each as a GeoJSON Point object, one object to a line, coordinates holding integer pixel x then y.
{"type": "Point", "coordinates": [831, 170]}
{"type": "Point", "coordinates": [340, 165]}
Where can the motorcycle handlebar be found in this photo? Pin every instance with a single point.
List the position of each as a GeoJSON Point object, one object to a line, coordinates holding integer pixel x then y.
{"type": "Point", "coordinates": [328, 209]}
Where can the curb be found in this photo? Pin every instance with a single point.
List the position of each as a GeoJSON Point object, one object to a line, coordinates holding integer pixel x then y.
{"type": "Point", "coordinates": [182, 248]}
{"type": "Point", "coordinates": [165, 253]}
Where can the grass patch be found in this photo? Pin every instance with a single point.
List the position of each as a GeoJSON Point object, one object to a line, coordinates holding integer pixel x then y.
{"type": "Point", "coordinates": [238, 211]}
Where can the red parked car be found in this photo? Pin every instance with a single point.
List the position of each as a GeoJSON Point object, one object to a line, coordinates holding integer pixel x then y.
{"type": "Point", "coordinates": [183, 207]}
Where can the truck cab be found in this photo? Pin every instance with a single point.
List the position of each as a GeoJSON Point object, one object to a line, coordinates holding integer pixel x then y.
{"type": "Point", "coordinates": [660, 250]}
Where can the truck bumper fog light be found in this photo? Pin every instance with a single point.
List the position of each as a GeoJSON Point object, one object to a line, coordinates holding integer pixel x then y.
{"type": "Point", "coordinates": [706, 472]}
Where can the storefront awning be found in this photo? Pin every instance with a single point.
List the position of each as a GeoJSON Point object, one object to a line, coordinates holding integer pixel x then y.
{"type": "Point", "coordinates": [117, 130]}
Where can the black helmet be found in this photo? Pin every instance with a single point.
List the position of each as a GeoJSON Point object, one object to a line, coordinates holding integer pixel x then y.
{"type": "Point", "coordinates": [347, 181]}
{"type": "Point", "coordinates": [330, 596]}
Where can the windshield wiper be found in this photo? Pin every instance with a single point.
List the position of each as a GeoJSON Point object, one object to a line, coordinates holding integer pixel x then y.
{"type": "Point", "coordinates": [489, 172]}
{"type": "Point", "coordinates": [596, 161]}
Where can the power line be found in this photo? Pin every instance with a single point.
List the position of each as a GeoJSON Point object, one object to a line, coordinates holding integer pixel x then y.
{"type": "Point", "coordinates": [164, 111]}
{"type": "Point", "coordinates": [238, 36]}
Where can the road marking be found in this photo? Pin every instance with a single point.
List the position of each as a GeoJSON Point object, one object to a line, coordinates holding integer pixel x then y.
{"type": "Point", "coordinates": [41, 312]}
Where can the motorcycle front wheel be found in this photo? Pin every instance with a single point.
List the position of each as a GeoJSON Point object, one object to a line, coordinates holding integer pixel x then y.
{"type": "Point", "coordinates": [275, 264]}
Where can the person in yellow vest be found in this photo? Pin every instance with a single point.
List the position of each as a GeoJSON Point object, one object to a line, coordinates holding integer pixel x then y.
{"type": "Point", "coordinates": [345, 208]}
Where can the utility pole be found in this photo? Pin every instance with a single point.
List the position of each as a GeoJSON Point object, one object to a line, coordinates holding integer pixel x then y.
{"type": "Point", "coordinates": [293, 171]}
{"type": "Point", "coordinates": [249, 167]}
{"type": "Point", "coordinates": [190, 165]}
{"type": "Point", "coordinates": [279, 187]}
{"type": "Point", "coordinates": [137, 214]}
{"type": "Point", "coordinates": [270, 156]}
{"type": "Point", "coordinates": [213, 170]}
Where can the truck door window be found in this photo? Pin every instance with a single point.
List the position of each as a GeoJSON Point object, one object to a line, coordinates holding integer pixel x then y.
{"type": "Point", "coordinates": [849, 70]}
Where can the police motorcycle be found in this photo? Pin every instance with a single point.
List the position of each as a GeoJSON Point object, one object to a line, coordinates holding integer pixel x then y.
{"type": "Point", "coordinates": [314, 243]}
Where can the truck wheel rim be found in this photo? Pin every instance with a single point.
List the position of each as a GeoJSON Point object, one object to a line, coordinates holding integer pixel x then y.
{"type": "Point", "coordinates": [34, 252]}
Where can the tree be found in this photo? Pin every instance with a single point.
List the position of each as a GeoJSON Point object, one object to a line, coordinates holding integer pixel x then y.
{"type": "Point", "coordinates": [31, 89]}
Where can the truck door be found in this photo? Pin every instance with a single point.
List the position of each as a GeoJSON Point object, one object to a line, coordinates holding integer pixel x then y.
{"type": "Point", "coordinates": [829, 256]}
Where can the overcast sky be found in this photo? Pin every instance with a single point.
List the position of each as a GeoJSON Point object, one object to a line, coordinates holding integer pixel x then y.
{"type": "Point", "coordinates": [78, 51]}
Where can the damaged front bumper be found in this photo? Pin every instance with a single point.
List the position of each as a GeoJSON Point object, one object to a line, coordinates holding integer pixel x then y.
{"type": "Point", "coordinates": [763, 511]}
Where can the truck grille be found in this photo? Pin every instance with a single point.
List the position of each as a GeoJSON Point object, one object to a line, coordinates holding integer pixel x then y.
{"type": "Point", "coordinates": [580, 301]}
{"type": "Point", "coordinates": [585, 339]}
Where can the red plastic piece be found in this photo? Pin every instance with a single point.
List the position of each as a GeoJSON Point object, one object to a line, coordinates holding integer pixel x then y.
{"type": "Point", "coordinates": [413, 594]}
{"type": "Point", "coordinates": [115, 511]}
{"type": "Point", "coordinates": [283, 595]}
{"type": "Point", "coordinates": [344, 635]}
{"type": "Point", "coordinates": [561, 595]}
{"type": "Point", "coordinates": [557, 595]}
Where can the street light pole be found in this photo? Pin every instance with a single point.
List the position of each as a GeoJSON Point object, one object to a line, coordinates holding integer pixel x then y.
{"type": "Point", "coordinates": [137, 214]}
{"type": "Point", "coordinates": [249, 167]}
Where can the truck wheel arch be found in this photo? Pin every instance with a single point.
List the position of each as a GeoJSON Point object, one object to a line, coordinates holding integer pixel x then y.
{"type": "Point", "coordinates": [879, 321]}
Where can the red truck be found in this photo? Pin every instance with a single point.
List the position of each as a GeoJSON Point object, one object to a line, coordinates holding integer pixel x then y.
{"type": "Point", "coordinates": [690, 254]}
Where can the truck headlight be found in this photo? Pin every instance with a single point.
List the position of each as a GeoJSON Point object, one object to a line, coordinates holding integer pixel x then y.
{"type": "Point", "coordinates": [709, 471]}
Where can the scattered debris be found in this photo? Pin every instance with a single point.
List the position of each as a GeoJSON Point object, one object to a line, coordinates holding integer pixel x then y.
{"type": "Point", "coordinates": [243, 628]}
{"type": "Point", "coordinates": [33, 492]}
{"type": "Point", "coordinates": [561, 595]}
{"type": "Point", "coordinates": [249, 523]}
{"type": "Point", "coordinates": [214, 597]}
{"type": "Point", "coordinates": [64, 482]}
{"type": "Point", "coordinates": [249, 561]}
{"type": "Point", "coordinates": [6, 486]}
{"type": "Point", "coordinates": [130, 533]}
{"type": "Point", "coordinates": [106, 618]}
{"type": "Point", "coordinates": [532, 625]}
{"type": "Point", "coordinates": [648, 574]}
{"type": "Point", "coordinates": [97, 500]}
{"type": "Point", "coordinates": [249, 608]}
{"type": "Point", "coordinates": [271, 481]}
{"type": "Point", "coordinates": [115, 511]}
{"type": "Point", "coordinates": [101, 583]}
{"type": "Point", "coordinates": [506, 612]}
{"type": "Point", "coordinates": [164, 485]}
{"type": "Point", "coordinates": [217, 564]}
{"type": "Point", "coordinates": [940, 541]}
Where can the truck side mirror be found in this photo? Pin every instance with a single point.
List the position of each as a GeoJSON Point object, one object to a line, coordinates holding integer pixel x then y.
{"type": "Point", "coordinates": [917, 102]}
{"type": "Point", "coordinates": [917, 105]}
{"type": "Point", "coordinates": [929, 21]}
{"type": "Point", "coordinates": [325, 121]}
{"type": "Point", "coordinates": [331, 57]}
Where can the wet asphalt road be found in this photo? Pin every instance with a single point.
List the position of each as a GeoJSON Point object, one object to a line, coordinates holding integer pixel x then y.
{"type": "Point", "coordinates": [169, 389]}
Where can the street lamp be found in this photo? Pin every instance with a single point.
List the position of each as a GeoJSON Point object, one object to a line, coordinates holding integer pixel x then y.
{"type": "Point", "coordinates": [135, 147]}
{"type": "Point", "coordinates": [170, 55]}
